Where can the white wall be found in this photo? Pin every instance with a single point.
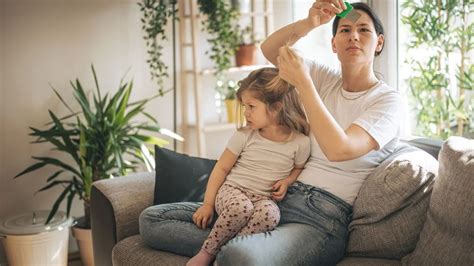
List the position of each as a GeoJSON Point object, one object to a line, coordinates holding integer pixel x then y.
{"type": "Point", "coordinates": [2, 116]}
{"type": "Point", "coordinates": [52, 42]}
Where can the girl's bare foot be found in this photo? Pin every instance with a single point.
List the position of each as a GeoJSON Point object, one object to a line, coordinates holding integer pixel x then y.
{"type": "Point", "coordinates": [203, 258]}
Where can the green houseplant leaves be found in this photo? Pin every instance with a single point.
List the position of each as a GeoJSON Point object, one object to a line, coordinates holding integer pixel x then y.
{"type": "Point", "coordinates": [102, 140]}
{"type": "Point", "coordinates": [438, 48]}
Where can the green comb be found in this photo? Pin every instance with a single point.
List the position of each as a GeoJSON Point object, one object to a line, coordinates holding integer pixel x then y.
{"type": "Point", "coordinates": [349, 13]}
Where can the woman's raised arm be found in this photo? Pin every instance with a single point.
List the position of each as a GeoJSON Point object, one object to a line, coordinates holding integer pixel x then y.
{"type": "Point", "coordinates": [319, 13]}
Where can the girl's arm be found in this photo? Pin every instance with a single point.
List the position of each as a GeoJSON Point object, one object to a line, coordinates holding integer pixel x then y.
{"type": "Point", "coordinates": [294, 174]}
{"type": "Point", "coordinates": [321, 12]}
{"type": "Point", "coordinates": [218, 175]}
{"type": "Point", "coordinates": [281, 187]}
{"type": "Point", "coordinates": [203, 216]}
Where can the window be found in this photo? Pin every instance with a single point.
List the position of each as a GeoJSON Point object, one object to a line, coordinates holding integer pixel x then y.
{"type": "Point", "coordinates": [436, 53]}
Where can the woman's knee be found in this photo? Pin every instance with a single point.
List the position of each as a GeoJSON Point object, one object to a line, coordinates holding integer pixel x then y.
{"type": "Point", "coordinates": [152, 217]}
{"type": "Point", "coordinates": [237, 255]}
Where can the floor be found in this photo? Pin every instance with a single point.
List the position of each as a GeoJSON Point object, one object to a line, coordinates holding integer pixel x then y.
{"type": "Point", "coordinates": [74, 259]}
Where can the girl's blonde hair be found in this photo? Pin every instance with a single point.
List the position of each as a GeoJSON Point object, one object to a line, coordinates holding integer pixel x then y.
{"type": "Point", "coordinates": [277, 94]}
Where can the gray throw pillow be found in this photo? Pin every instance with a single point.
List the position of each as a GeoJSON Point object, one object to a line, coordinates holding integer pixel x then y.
{"type": "Point", "coordinates": [447, 237]}
{"type": "Point", "coordinates": [390, 209]}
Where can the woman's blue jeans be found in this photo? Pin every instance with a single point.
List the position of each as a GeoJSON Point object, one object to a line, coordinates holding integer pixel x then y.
{"type": "Point", "coordinates": [312, 231]}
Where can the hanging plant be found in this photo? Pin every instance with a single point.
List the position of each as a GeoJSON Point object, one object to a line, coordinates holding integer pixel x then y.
{"type": "Point", "coordinates": [221, 22]}
{"type": "Point", "coordinates": [154, 19]}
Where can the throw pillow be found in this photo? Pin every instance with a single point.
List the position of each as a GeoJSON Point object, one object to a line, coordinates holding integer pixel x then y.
{"type": "Point", "coordinates": [447, 237]}
{"type": "Point", "coordinates": [390, 209]}
{"type": "Point", "coordinates": [180, 177]}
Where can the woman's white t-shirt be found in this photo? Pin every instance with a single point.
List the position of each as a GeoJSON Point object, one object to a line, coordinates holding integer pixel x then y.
{"type": "Point", "coordinates": [377, 110]}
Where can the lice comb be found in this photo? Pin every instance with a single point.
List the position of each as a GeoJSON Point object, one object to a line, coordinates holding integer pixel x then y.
{"type": "Point", "coordinates": [349, 13]}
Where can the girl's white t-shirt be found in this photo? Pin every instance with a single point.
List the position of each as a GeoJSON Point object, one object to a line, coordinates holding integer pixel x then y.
{"type": "Point", "coordinates": [262, 162]}
{"type": "Point", "coordinates": [378, 111]}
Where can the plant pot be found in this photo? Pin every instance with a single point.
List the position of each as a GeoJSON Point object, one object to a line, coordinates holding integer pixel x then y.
{"type": "Point", "coordinates": [28, 241]}
{"type": "Point", "coordinates": [246, 55]}
{"type": "Point", "coordinates": [231, 106]}
{"type": "Point", "coordinates": [84, 242]}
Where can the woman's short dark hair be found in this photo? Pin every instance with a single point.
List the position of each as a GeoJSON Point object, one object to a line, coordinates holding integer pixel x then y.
{"type": "Point", "coordinates": [375, 19]}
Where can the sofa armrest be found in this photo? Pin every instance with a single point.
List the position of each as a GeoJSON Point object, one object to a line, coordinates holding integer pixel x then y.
{"type": "Point", "coordinates": [431, 146]}
{"type": "Point", "coordinates": [115, 207]}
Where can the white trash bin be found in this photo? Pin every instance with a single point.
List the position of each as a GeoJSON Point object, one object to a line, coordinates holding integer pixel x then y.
{"type": "Point", "coordinates": [28, 241]}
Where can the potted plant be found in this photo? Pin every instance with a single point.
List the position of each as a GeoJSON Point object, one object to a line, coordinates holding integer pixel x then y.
{"type": "Point", "coordinates": [100, 141]}
{"type": "Point", "coordinates": [246, 51]}
{"type": "Point", "coordinates": [228, 89]}
{"type": "Point", "coordinates": [220, 24]}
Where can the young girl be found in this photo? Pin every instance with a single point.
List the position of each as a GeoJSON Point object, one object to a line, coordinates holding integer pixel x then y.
{"type": "Point", "coordinates": [260, 162]}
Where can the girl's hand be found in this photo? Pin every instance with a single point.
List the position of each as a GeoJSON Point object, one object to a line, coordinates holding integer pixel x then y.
{"type": "Point", "coordinates": [279, 188]}
{"type": "Point", "coordinates": [203, 216]}
{"type": "Point", "coordinates": [322, 11]}
{"type": "Point", "coordinates": [292, 67]}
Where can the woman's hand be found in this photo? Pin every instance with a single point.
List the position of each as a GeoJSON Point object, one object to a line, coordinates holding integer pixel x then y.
{"type": "Point", "coordinates": [322, 11]}
{"type": "Point", "coordinates": [279, 189]}
{"type": "Point", "coordinates": [292, 67]}
{"type": "Point", "coordinates": [203, 216]}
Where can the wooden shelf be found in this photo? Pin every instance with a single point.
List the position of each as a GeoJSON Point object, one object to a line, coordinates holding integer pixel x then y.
{"type": "Point", "coordinates": [235, 69]}
{"type": "Point", "coordinates": [260, 16]}
{"type": "Point", "coordinates": [216, 127]}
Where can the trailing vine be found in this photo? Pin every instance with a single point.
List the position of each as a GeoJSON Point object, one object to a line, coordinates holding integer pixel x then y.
{"type": "Point", "coordinates": [154, 19]}
{"type": "Point", "coordinates": [221, 22]}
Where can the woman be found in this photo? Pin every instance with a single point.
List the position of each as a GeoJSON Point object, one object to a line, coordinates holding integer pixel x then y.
{"type": "Point", "coordinates": [354, 120]}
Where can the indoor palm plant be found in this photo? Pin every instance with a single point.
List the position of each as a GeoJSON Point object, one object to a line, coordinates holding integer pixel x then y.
{"type": "Point", "coordinates": [102, 140]}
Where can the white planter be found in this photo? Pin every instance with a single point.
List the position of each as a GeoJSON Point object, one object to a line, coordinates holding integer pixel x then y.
{"type": "Point", "coordinates": [27, 241]}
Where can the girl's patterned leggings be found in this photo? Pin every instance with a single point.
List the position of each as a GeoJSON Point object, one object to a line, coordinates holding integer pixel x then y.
{"type": "Point", "coordinates": [240, 213]}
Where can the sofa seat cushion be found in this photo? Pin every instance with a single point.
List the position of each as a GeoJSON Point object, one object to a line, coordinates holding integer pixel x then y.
{"type": "Point", "coordinates": [447, 237]}
{"type": "Point", "coordinates": [133, 251]}
{"type": "Point", "coordinates": [390, 209]}
{"type": "Point", "coordinates": [354, 261]}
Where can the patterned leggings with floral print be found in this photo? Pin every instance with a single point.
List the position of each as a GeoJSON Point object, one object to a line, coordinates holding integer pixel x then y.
{"type": "Point", "coordinates": [240, 213]}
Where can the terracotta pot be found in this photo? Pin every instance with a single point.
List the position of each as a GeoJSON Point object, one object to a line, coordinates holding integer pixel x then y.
{"type": "Point", "coordinates": [246, 55]}
{"type": "Point", "coordinates": [84, 242]}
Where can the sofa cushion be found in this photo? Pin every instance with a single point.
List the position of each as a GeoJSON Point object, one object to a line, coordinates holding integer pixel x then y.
{"type": "Point", "coordinates": [133, 251]}
{"type": "Point", "coordinates": [447, 237]}
{"type": "Point", "coordinates": [391, 206]}
{"type": "Point", "coordinates": [355, 261]}
{"type": "Point", "coordinates": [180, 177]}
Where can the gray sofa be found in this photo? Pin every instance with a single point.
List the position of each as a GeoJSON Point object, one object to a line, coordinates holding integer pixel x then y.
{"type": "Point", "coordinates": [390, 223]}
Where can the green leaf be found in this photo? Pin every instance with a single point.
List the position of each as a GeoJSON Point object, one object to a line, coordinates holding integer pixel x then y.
{"type": "Point", "coordinates": [54, 175]}
{"type": "Point", "coordinates": [31, 168]}
{"type": "Point", "coordinates": [54, 183]}
{"type": "Point", "coordinates": [61, 99]}
{"type": "Point", "coordinates": [57, 163]}
{"type": "Point", "coordinates": [151, 140]}
{"type": "Point", "coordinates": [57, 203]}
